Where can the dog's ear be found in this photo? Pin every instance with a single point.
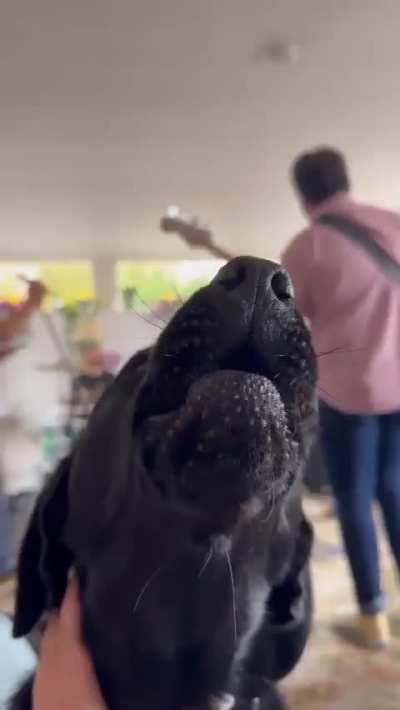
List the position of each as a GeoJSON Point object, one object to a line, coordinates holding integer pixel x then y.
{"type": "Point", "coordinates": [303, 547]}
{"type": "Point", "coordinates": [44, 559]}
{"type": "Point", "coordinates": [286, 599]}
{"type": "Point", "coordinates": [282, 637]}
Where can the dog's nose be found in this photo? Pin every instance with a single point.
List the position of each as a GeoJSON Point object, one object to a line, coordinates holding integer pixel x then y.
{"type": "Point", "coordinates": [255, 279]}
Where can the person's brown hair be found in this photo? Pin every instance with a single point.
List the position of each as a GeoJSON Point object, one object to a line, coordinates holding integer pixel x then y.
{"type": "Point", "coordinates": [320, 174]}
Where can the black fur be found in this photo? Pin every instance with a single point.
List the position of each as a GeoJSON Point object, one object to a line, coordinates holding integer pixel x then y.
{"type": "Point", "coordinates": [181, 507]}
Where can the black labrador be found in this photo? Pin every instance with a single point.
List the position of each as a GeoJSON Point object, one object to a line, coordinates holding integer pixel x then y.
{"type": "Point", "coordinates": [181, 512]}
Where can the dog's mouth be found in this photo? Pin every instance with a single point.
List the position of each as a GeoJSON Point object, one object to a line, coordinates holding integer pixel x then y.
{"type": "Point", "coordinates": [221, 413]}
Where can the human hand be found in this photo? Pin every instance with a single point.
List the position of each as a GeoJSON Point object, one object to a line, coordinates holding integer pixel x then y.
{"type": "Point", "coordinates": [65, 678]}
{"type": "Point", "coordinates": [36, 293]}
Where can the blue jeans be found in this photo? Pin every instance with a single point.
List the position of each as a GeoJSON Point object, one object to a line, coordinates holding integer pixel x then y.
{"type": "Point", "coordinates": [362, 454]}
{"type": "Point", "coordinates": [18, 660]}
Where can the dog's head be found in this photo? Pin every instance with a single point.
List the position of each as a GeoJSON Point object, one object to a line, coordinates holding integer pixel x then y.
{"type": "Point", "coordinates": [222, 413]}
{"type": "Point", "coordinates": [199, 435]}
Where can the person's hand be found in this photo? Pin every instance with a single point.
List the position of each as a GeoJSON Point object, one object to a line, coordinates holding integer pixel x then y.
{"type": "Point", "coordinates": [65, 678]}
{"type": "Point", "coordinates": [36, 293]}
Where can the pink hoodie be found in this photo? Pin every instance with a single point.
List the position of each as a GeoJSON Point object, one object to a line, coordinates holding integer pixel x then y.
{"type": "Point", "coordinates": [353, 309]}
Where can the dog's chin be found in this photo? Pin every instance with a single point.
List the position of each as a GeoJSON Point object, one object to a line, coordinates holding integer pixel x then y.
{"type": "Point", "coordinates": [228, 446]}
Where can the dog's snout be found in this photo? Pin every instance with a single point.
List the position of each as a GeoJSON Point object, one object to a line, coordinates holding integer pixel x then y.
{"type": "Point", "coordinates": [250, 278]}
{"type": "Point", "coordinates": [233, 275]}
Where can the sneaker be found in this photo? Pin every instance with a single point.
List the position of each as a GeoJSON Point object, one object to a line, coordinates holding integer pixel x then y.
{"type": "Point", "coordinates": [374, 631]}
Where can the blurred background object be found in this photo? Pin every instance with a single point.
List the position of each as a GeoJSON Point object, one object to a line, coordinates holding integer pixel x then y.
{"type": "Point", "coordinates": [111, 112]}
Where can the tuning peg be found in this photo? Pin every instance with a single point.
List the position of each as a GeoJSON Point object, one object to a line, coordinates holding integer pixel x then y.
{"type": "Point", "coordinates": [172, 212]}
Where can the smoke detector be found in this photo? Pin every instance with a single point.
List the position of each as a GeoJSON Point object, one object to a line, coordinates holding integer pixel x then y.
{"type": "Point", "coordinates": [278, 51]}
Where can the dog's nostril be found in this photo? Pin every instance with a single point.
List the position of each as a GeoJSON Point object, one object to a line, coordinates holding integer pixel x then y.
{"type": "Point", "coordinates": [232, 276]}
{"type": "Point", "coordinates": [281, 286]}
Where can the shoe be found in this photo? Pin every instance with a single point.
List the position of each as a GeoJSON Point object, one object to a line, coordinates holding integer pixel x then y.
{"type": "Point", "coordinates": [374, 631]}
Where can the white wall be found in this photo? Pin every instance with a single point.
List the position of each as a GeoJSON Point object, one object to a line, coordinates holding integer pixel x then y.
{"type": "Point", "coordinates": [110, 111]}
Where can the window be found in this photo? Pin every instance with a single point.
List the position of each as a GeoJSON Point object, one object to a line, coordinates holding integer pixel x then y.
{"type": "Point", "coordinates": [161, 286]}
{"type": "Point", "coordinates": [67, 281]}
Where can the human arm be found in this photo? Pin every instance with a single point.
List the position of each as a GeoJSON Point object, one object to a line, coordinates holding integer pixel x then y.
{"type": "Point", "coordinates": [65, 676]}
{"type": "Point", "coordinates": [15, 323]}
{"type": "Point", "coordinates": [298, 260]}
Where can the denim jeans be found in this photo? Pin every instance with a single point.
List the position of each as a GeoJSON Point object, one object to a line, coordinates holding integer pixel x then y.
{"type": "Point", "coordinates": [362, 454]}
{"type": "Point", "coordinates": [18, 660]}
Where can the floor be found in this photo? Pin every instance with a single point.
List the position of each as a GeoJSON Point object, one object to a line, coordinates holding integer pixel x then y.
{"type": "Point", "coordinates": [333, 675]}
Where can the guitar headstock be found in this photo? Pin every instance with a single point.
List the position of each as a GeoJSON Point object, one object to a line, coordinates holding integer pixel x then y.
{"type": "Point", "coordinates": [190, 231]}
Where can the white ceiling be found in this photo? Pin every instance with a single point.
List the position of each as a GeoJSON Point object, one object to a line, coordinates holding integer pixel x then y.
{"type": "Point", "coordinates": [112, 109]}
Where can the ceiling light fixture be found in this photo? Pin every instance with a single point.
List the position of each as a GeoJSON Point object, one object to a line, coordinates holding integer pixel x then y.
{"type": "Point", "coordinates": [278, 51]}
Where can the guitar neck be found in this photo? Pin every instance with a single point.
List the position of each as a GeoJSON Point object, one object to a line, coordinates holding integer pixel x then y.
{"type": "Point", "coordinates": [194, 236]}
{"type": "Point", "coordinates": [219, 252]}
{"type": "Point", "coordinates": [209, 245]}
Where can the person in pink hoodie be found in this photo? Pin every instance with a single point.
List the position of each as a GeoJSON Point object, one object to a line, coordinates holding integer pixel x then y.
{"type": "Point", "coordinates": [352, 309]}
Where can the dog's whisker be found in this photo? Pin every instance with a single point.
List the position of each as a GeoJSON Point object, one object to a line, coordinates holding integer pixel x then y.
{"type": "Point", "coordinates": [273, 502]}
{"type": "Point", "coordinates": [145, 587]}
{"type": "Point", "coordinates": [232, 579]}
{"type": "Point", "coordinates": [206, 562]}
{"type": "Point", "coordinates": [149, 308]}
{"type": "Point", "coordinates": [147, 320]}
{"type": "Point", "coordinates": [321, 389]}
{"type": "Point", "coordinates": [178, 295]}
{"type": "Point", "coordinates": [336, 351]}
